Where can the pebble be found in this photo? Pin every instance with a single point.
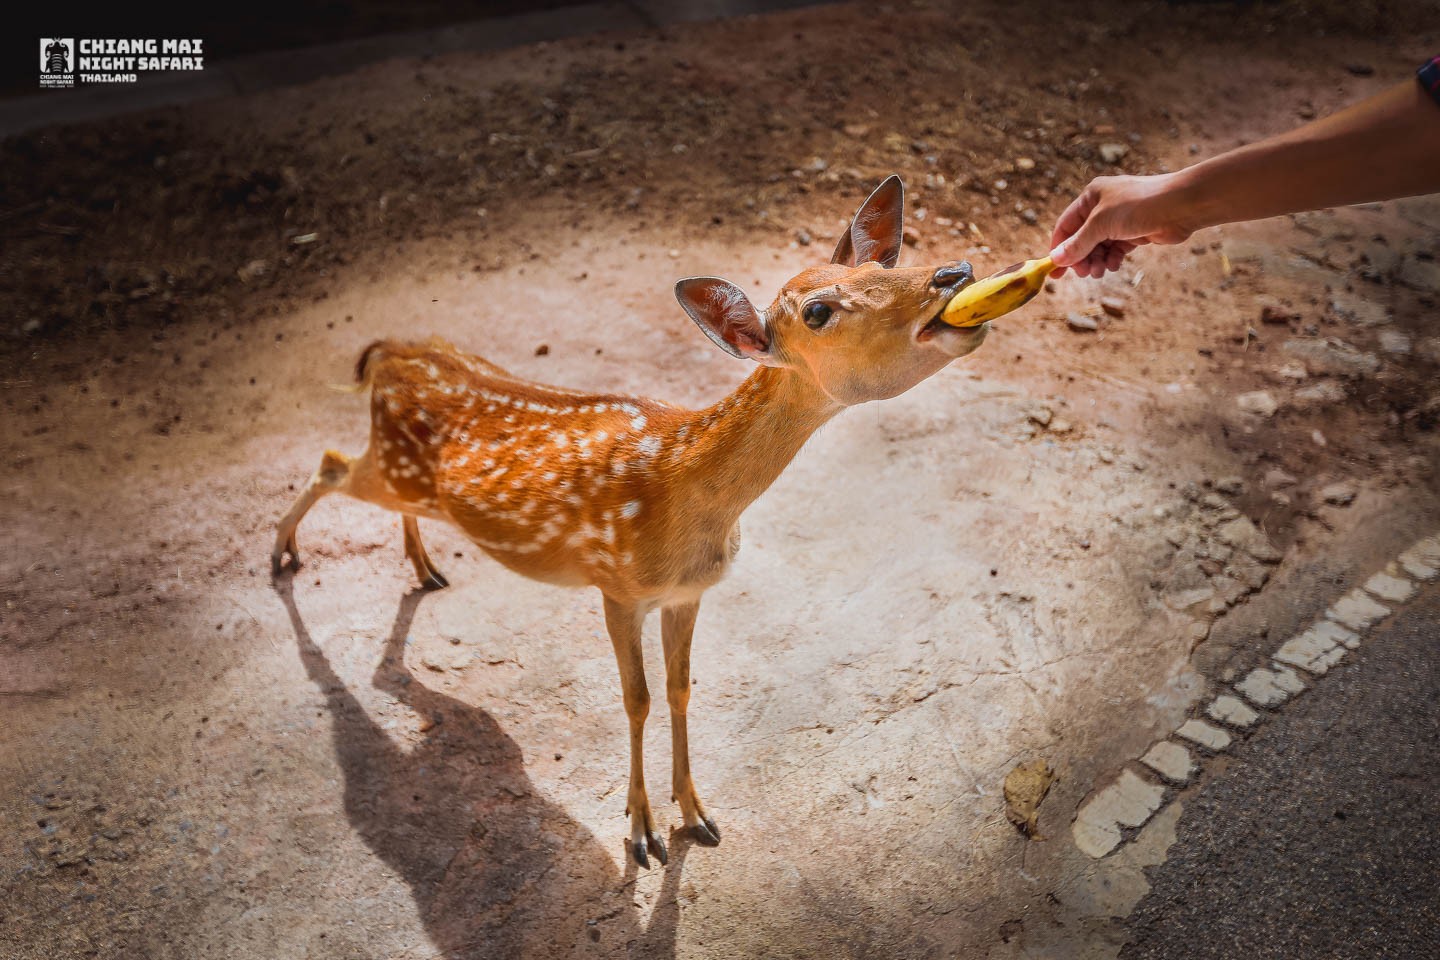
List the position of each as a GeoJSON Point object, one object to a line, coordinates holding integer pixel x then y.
{"type": "Point", "coordinates": [1324, 393]}
{"type": "Point", "coordinates": [1042, 415]}
{"type": "Point", "coordinates": [1024, 163]}
{"type": "Point", "coordinates": [1277, 479]}
{"type": "Point", "coordinates": [1258, 402]}
{"type": "Point", "coordinates": [1360, 69]}
{"type": "Point", "coordinates": [1272, 311]}
{"type": "Point", "coordinates": [1029, 215]}
{"type": "Point", "coordinates": [1393, 341]}
{"type": "Point", "coordinates": [1078, 321]}
{"type": "Point", "coordinates": [1113, 306]}
{"type": "Point", "coordinates": [1230, 486]}
{"type": "Point", "coordinates": [1338, 494]}
{"type": "Point", "coordinates": [803, 238]}
{"type": "Point", "coordinates": [1331, 356]}
{"type": "Point", "coordinates": [1421, 274]}
{"type": "Point", "coordinates": [911, 236]}
{"type": "Point", "coordinates": [542, 350]}
{"type": "Point", "coordinates": [1113, 152]}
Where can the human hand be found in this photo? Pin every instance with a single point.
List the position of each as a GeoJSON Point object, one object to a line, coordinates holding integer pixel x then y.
{"type": "Point", "coordinates": [1113, 216]}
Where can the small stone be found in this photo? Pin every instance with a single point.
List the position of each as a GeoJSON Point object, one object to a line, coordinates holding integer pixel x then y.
{"type": "Point", "coordinates": [1305, 112]}
{"type": "Point", "coordinates": [1232, 710]}
{"type": "Point", "coordinates": [1338, 494]}
{"type": "Point", "coordinates": [910, 236]}
{"type": "Point", "coordinates": [1319, 648]}
{"type": "Point", "coordinates": [1170, 760]}
{"type": "Point", "coordinates": [856, 129]}
{"type": "Point", "coordinates": [1080, 322]}
{"type": "Point", "coordinates": [1386, 587]}
{"type": "Point", "coordinates": [1423, 275]}
{"type": "Point", "coordinates": [803, 238]}
{"type": "Point", "coordinates": [1206, 735]}
{"type": "Point", "coordinates": [1041, 415]}
{"type": "Point", "coordinates": [251, 270]}
{"type": "Point", "coordinates": [1267, 688]}
{"type": "Point", "coordinates": [1422, 560]}
{"type": "Point", "coordinates": [1331, 357]}
{"type": "Point", "coordinates": [1024, 163]}
{"type": "Point", "coordinates": [542, 350]}
{"type": "Point", "coordinates": [1029, 215]}
{"type": "Point", "coordinates": [1230, 486]}
{"type": "Point", "coordinates": [1359, 311]}
{"type": "Point", "coordinates": [1128, 802]}
{"type": "Point", "coordinates": [673, 254]}
{"type": "Point", "coordinates": [1258, 402]}
{"type": "Point", "coordinates": [432, 663]}
{"type": "Point", "coordinates": [1113, 152]}
{"type": "Point", "coordinates": [1322, 394]}
{"type": "Point", "coordinates": [1357, 611]}
{"type": "Point", "coordinates": [1113, 306]}
{"type": "Point", "coordinates": [1360, 69]}
{"type": "Point", "coordinates": [1277, 479]}
{"type": "Point", "coordinates": [1242, 534]}
{"type": "Point", "coordinates": [1393, 341]}
{"type": "Point", "coordinates": [1272, 311]}
{"type": "Point", "coordinates": [1061, 425]}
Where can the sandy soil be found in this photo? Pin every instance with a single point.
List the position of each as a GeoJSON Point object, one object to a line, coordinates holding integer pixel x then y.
{"type": "Point", "coordinates": [1032, 554]}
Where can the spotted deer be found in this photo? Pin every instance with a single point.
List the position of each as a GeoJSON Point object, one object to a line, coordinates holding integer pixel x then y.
{"type": "Point", "coordinates": [637, 497]}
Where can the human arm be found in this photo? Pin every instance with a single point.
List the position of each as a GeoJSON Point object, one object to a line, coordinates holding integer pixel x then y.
{"type": "Point", "coordinates": [1379, 149]}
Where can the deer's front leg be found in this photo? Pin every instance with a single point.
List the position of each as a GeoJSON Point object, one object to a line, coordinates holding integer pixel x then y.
{"type": "Point", "coordinates": [677, 625]}
{"type": "Point", "coordinates": [624, 622]}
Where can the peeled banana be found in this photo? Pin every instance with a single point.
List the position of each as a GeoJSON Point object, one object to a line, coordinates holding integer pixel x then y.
{"type": "Point", "coordinates": [997, 294]}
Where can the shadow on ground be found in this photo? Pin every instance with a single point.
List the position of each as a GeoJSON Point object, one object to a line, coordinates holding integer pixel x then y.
{"type": "Point", "coordinates": [495, 869]}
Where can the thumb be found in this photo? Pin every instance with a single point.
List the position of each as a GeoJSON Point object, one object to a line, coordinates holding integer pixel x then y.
{"type": "Point", "coordinates": [1079, 244]}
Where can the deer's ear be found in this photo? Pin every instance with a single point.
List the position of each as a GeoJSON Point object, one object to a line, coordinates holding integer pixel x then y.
{"type": "Point", "coordinates": [875, 233]}
{"type": "Point", "coordinates": [726, 315]}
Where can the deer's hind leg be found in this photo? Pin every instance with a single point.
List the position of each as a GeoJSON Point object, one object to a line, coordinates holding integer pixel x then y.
{"type": "Point", "coordinates": [430, 578]}
{"type": "Point", "coordinates": [333, 475]}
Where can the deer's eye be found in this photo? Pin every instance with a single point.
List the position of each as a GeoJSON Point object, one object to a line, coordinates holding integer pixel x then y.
{"type": "Point", "coordinates": [816, 315]}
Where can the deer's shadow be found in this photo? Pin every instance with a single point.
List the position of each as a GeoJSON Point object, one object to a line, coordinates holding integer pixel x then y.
{"type": "Point", "coordinates": [495, 869]}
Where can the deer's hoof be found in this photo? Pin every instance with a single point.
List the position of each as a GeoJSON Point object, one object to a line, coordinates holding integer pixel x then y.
{"type": "Point", "coordinates": [706, 833]}
{"type": "Point", "coordinates": [657, 847]}
{"type": "Point", "coordinates": [436, 581]}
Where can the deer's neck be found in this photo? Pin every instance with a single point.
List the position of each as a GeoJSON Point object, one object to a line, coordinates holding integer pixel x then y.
{"type": "Point", "coordinates": [736, 449]}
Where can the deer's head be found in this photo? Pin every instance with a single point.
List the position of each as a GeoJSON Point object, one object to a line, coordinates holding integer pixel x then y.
{"type": "Point", "coordinates": [859, 327]}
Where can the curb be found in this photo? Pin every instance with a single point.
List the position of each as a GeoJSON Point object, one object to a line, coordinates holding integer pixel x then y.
{"type": "Point", "coordinates": [1132, 799]}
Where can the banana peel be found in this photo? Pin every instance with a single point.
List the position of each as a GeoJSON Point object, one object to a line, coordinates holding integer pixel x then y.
{"type": "Point", "coordinates": [997, 294]}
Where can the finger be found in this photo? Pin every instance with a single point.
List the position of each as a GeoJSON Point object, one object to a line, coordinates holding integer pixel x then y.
{"type": "Point", "coordinates": [1074, 218]}
{"type": "Point", "coordinates": [1083, 241]}
{"type": "Point", "coordinates": [1117, 256]}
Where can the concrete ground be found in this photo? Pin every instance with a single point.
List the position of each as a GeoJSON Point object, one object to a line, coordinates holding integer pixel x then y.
{"type": "Point", "coordinates": [1061, 548]}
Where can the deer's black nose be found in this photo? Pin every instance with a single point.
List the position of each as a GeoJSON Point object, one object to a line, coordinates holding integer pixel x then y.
{"type": "Point", "coordinates": [953, 274]}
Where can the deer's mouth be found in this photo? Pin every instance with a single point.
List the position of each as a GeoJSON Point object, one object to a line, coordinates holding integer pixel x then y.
{"type": "Point", "coordinates": [935, 325]}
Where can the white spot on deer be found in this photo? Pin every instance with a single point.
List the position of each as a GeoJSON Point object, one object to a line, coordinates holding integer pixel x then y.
{"type": "Point", "coordinates": [559, 438]}
{"type": "Point", "coordinates": [630, 509]}
{"type": "Point", "coordinates": [649, 446]}
{"type": "Point", "coordinates": [509, 418]}
{"type": "Point", "coordinates": [630, 408]}
{"type": "Point", "coordinates": [499, 472]}
{"type": "Point", "coordinates": [680, 434]}
{"type": "Point", "coordinates": [550, 477]}
{"type": "Point", "coordinates": [638, 423]}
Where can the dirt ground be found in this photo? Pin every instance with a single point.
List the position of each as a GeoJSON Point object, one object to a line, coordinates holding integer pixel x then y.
{"type": "Point", "coordinates": [1036, 553]}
